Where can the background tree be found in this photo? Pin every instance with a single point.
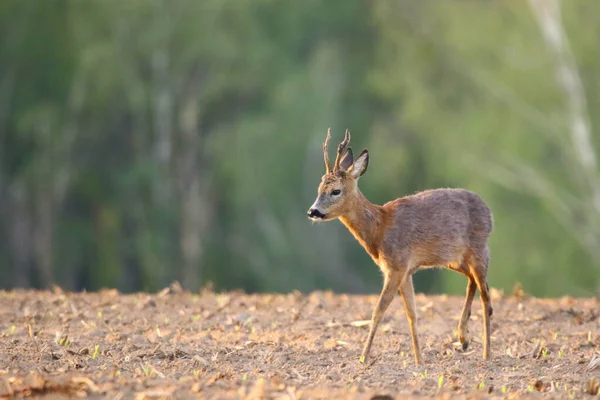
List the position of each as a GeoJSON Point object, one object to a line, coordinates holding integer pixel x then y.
{"type": "Point", "coordinates": [144, 141]}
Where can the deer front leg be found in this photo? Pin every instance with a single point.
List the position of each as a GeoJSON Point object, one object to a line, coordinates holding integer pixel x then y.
{"type": "Point", "coordinates": [391, 281]}
{"type": "Point", "coordinates": [408, 297]}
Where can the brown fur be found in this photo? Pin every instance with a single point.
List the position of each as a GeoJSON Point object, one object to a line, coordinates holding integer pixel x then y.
{"type": "Point", "coordinates": [440, 227]}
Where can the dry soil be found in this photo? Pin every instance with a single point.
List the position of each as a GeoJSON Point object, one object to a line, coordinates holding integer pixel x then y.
{"type": "Point", "coordinates": [176, 344]}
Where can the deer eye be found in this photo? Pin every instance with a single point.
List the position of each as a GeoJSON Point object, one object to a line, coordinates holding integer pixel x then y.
{"type": "Point", "coordinates": [336, 192]}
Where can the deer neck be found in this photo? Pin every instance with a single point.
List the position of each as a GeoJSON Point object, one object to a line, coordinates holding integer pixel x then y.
{"type": "Point", "coordinates": [365, 221]}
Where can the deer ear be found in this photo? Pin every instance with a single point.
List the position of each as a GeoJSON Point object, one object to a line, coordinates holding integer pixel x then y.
{"type": "Point", "coordinates": [347, 160]}
{"type": "Point", "coordinates": [360, 165]}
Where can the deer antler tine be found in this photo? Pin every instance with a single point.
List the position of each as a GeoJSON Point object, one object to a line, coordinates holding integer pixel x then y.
{"type": "Point", "coordinates": [325, 154]}
{"type": "Point", "coordinates": [341, 147]}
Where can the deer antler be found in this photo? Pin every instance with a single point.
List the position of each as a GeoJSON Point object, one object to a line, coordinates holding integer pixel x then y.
{"type": "Point", "coordinates": [341, 147]}
{"type": "Point", "coordinates": [325, 154]}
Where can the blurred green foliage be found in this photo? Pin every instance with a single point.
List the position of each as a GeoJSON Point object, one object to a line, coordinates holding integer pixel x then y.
{"type": "Point", "coordinates": [145, 141]}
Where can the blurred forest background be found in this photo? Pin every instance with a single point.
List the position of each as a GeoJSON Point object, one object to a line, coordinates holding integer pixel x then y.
{"type": "Point", "coordinates": [146, 141]}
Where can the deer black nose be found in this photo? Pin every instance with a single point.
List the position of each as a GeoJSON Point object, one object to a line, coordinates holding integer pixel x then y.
{"type": "Point", "coordinates": [314, 213]}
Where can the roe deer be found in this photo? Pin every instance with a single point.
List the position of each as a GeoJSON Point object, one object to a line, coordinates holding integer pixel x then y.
{"type": "Point", "coordinates": [440, 227]}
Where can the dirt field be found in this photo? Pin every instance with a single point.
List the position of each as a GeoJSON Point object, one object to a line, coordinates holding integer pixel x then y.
{"type": "Point", "coordinates": [235, 346]}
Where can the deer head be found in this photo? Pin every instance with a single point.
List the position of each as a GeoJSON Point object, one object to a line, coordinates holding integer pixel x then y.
{"type": "Point", "coordinates": [339, 185]}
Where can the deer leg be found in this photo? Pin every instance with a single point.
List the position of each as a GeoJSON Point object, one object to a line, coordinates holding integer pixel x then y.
{"type": "Point", "coordinates": [466, 311]}
{"type": "Point", "coordinates": [479, 272]}
{"type": "Point", "coordinates": [391, 281]}
{"type": "Point", "coordinates": [408, 297]}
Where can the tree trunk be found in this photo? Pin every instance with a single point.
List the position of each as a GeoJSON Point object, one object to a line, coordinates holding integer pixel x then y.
{"type": "Point", "coordinates": [42, 238]}
{"type": "Point", "coordinates": [548, 16]}
{"type": "Point", "coordinates": [20, 235]}
{"type": "Point", "coordinates": [193, 189]}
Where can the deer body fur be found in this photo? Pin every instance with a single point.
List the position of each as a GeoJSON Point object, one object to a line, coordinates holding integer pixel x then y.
{"type": "Point", "coordinates": [439, 227]}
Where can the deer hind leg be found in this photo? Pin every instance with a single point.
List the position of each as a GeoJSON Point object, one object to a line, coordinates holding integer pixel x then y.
{"type": "Point", "coordinates": [463, 323]}
{"type": "Point", "coordinates": [408, 297]}
{"type": "Point", "coordinates": [391, 282]}
{"type": "Point", "coordinates": [479, 272]}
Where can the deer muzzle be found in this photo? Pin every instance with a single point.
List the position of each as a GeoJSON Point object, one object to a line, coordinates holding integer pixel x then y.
{"type": "Point", "coordinates": [314, 213]}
